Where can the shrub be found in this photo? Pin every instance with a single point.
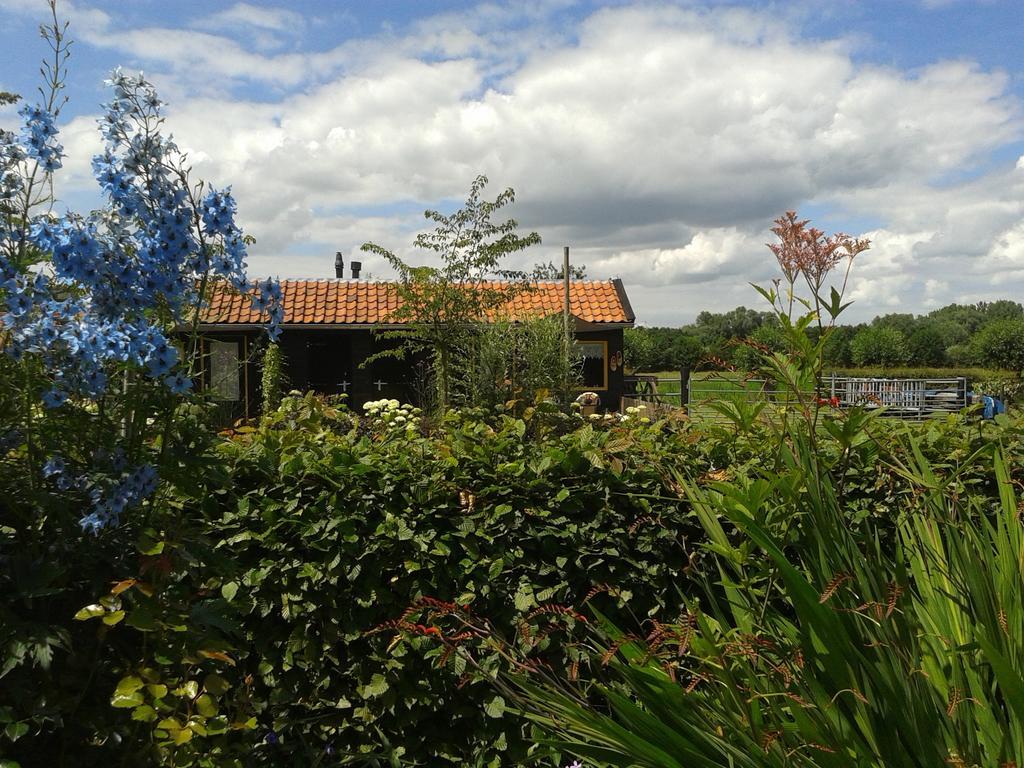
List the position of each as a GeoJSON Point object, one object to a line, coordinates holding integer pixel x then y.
{"type": "Point", "coordinates": [1000, 344]}
{"type": "Point", "coordinates": [865, 649]}
{"type": "Point", "coordinates": [272, 377]}
{"type": "Point", "coordinates": [879, 345]}
{"type": "Point", "coordinates": [519, 361]}
{"type": "Point", "coordinates": [819, 636]}
{"type": "Point", "coordinates": [95, 404]}
{"type": "Point", "coordinates": [639, 350]}
{"type": "Point", "coordinates": [315, 528]}
{"type": "Point", "coordinates": [927, 346]}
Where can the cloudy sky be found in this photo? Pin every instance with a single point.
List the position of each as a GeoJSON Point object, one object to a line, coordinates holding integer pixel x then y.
{"type": "Point", "coordinates": [657, 139]}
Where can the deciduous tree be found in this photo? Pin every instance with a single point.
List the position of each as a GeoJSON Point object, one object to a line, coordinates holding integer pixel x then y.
{"type": "Point", "coordinates": [442, 306]}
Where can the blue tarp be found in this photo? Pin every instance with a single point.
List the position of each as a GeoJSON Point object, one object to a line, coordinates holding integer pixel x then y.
{"type": "Point", "coordinates": [990, 406]}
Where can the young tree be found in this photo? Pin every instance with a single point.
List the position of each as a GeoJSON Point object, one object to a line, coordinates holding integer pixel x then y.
{"type": "Point", "coordinates": [1000, 344]}
{"type": "Point", "coordinates": [880, 345]}
{"type": "Point", "coordinates": [638, 349]}
{"type": "Point", "coordinates": [927, 344]}
{"type": "Point", "coordinates": [442, 307]}
{"type": "Point", "coordinates": [551, 271]}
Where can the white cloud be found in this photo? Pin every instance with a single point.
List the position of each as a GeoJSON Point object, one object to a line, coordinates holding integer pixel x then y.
{"type": "Point", "coordinates": [658, 141]}
{"type": "Point", "coordinates": [260, 17]}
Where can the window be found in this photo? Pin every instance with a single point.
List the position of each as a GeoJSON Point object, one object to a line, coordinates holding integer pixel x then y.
{"type": "Point", "coordinates": [224, 371]}
{"type": "Point", "coordinates": [595, 363]}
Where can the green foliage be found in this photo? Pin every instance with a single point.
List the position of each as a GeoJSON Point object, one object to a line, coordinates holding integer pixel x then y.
{"type": "Point", "coordinates": [974, 374]}
{"type": "Point", "coordinates": [662, 349]}
{"type": "Point", "coordinates": [272, 381]}
{"type": "Point", "coordinates": [926, 345]}
{"type": "Point", "coordinates": [837, 351]}
{"type": "Point", "coordinates": [442, 307]}
{"type": "Point", "coordinates": [315, 528]}
{"type": "Point", "coordinates": [767, 338]}
{"type": "Point", "coordinates": [639, 350]}
{"type": "Point", "coordinates": [943, 337]}
{"type": "Point", "coordinates": [59, 669]}
{"type": "Point", "coordinates": [551, 271]}
{"type": "Point", "coordinates": [880, 345]}
{"type": "Point", "coordinates": [521, 361]}
{"type": "Point", "coordinates": [1000, 344]}
{"type": "Point", "coordinates": [905, 323]}
{"type": "Point", "coordinates": [824, 632]}
{"type": "Point", "coordinates": [897, 644]}
{"type": "Point", "coordinates": [714, 328]}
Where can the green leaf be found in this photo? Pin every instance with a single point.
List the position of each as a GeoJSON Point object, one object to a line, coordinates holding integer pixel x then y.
{"type": "Point", "coordinates": [90, 612]}
{"type": "Point", "coordinates": [206, 706]}
{"type": "Point", "coordinates": [229, 590]}
{"type": "Point", "coordinates": [149, 544]}
{"type": "Point", "coordinates": [524, 599]}
{"type": "Point", "coordinates": [495, 707]}
{"type": "Point", "coordinates": [377, 686]}
{"type": "Point", "coordinates": [1010, 681]}
{"type": "Point", "coordinates": [112, 618]}
{"type": "Point", "coordinates": [157, 690]}
{"type": "Point", "coordinates": [126, 700]}
{"type": "Point", "coordinates": [142, 618]}
{"type": "Point", "coordinates": [216, 684]}
{"type": "Point", "coordinates": [187, 690]}
{"type": "Point", "coordinates": [15, 731]}
{"type": "Point", "coordinates": [144, 713]}
{"type": "Point", "coordinates": [128, 684]}
{"type": "Point", "coordinates": [496, 568]}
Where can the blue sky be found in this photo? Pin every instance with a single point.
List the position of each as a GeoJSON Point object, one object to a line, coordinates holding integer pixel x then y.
{"type": "Point", "coordinates": [658, 139]}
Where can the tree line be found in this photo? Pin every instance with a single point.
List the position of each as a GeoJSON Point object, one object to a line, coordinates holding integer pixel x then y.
{"type": "Point", "coordinates": [986, 334]}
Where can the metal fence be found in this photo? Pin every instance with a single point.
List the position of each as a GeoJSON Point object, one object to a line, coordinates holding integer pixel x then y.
{"type": "Point", "coordinates": [704, 396]}
{"type": "Point", "coordinates": [912, 399]}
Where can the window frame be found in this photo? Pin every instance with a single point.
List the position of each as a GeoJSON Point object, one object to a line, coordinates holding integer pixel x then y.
{"type": "Point", "coordinates": [604, 370]}
{"type": "Point", "coordinates": [240, 345]}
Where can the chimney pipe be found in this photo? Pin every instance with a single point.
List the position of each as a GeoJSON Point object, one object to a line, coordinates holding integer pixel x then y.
{"type": "Point", "coordinates": [356, 266]}
{"type": "Point", "coordinates": [339, 265]}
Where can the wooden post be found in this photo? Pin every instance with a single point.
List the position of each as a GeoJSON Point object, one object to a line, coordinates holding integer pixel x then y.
{"type": "Point", "coordinates": [566, 314]}
{"type": "Point", "coordinates": [565, 280]}
{"type": "Point", "coordinates": [684, 387]}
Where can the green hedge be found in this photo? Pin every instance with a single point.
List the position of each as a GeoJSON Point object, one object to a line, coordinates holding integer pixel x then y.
{"type": "Point", "coordinates": [332, 526]}
{"type": "Point", "coordinates": [972, 374]}
{"type": "Point", "coordinates": [240, 627]}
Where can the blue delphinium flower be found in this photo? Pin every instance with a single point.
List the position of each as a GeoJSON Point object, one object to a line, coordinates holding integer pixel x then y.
{"type": "Point", "coordinates": [9, 440]}
{"type": "Point", "coordinates": [55, 465]}
{"type": "Point", "coordinates": [119, 277]}
{"type": "Point", "coordinates": [112, 499]}
{"type": "Point", "coordinates": [178, 384]}
{"type": "Point", "coordinates": [38, 137]}
{"type": "Point", "coordinates": [54, 398]}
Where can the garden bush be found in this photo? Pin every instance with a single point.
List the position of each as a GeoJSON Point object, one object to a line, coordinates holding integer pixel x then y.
{"type": "Point", "coordinates": [816, 635]}
{"type": "Point", "coordinates": [317, 527]}
{"type": "Point", "coordinates": [274, 579]}
{"type": "Point", "coordinates": [97, 360]}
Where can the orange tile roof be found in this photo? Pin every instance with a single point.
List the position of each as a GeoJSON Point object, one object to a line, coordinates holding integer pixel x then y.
{"type": "Point", "coordinates": [355, 302]}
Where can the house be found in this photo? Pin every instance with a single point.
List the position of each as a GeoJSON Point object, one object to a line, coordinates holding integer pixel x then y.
{"type": "Point", "coordinates": [328, 332]}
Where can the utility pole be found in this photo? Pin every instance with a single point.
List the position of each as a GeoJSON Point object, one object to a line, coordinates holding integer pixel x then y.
{"type": "Point", "coordinates": [565, 280]}
{"type": "Point", "coordinates": [566, 316]}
